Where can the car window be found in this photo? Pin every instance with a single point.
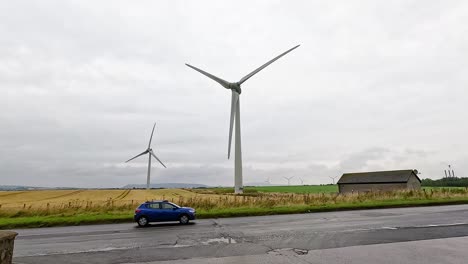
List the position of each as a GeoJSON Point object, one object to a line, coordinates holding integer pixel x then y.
{"type": "Point", "coordinates": [167, 206]}
{"type": "Point", "coordinates": [154, 205]}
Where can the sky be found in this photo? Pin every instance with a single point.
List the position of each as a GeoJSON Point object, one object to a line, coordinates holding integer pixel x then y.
{"type": "Point", "coordinates": [375, 85]}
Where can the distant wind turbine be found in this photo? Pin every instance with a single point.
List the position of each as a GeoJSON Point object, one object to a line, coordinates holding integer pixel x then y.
{"type": "Point", "coordinates": [235, 87]}
{"type": "Point", "coordinates": [302, 181]}
{"type": "Point", "coordinates": [289, 179]}
{"type": "Point", "coordinates": [150, 153]}
{"type": "Point", "coordinates": [333, 178]}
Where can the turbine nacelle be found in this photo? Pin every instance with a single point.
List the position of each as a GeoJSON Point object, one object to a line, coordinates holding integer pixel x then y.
{"type": "Point", "coordinates": [235, 87]}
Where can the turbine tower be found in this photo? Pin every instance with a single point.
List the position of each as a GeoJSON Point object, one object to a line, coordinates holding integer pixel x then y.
{"type": "Point", "coordinates": [302, 181]}
{"type": "Point", "coordinates": [235, 88]}
{"type": "Point", "coordinates": [150, 153]}
{"type": "Point", "coordinates": [333, 178]}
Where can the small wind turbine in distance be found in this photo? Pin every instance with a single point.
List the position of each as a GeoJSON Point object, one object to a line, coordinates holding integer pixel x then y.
{"type": "Point", "coordinates": [150, 153]}
{"type": "Point", "coordinates": [289, 179]}
{"type": "Point", "coordinates": [235, 88]}
{"type": "Point", "coordinates": [333, 178]}
{"type": "Point", "coordinates": [302, 181]}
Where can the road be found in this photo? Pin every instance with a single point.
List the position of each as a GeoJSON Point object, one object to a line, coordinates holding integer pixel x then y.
{"type": "Point", "coordinates": [334, 237]}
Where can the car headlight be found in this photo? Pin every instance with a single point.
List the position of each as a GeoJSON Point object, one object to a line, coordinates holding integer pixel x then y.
{"type": "Point", "coordinates": [191, 211]}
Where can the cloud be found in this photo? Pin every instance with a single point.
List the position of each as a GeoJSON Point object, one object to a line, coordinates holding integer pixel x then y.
{"type": "Point", "coordinates": [379, 85]}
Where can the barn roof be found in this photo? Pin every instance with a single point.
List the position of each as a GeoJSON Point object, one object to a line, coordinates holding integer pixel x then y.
{"type": "Point", "coordinates": [396, 176]}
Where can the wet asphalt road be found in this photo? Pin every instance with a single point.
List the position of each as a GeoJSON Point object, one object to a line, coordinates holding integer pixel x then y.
{"type": "Point", "coordinates": [235, 237]}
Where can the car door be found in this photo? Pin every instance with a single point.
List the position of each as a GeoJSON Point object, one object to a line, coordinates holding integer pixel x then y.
{"type": "Point", "coordinates": [154, 212]}
{"type": "Point", "coordinates": [170, 212]}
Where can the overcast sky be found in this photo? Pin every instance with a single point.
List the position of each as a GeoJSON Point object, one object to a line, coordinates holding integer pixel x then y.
{"type": "Point", "coordinates": [375, 85]}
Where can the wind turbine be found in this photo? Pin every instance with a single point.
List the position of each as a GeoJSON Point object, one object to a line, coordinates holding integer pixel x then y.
{"type": "Point", "coordinates": [302, 181]}
{"type": "Point", "coordinates": [150, 153]}
{"type": "Point", "coordinates": [333, 178]}
{"type": "Point", "coordinates": [235, 88]}
{"type": "Point", "coordinates": [288, 179]}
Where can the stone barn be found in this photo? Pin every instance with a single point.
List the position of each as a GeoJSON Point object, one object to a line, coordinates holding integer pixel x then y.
{"type": "Point", "coordinates": [379, 181]}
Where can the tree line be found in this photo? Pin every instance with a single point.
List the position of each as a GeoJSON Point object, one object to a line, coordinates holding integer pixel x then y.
{"type": "Point", "coordinates": [446, 182]}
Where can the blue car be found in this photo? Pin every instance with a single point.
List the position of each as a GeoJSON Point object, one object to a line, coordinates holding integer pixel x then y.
{"type": "Point", "coordinates": [162, 211]}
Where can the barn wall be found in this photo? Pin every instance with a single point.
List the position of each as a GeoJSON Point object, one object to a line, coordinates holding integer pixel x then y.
{"type": "Point", "coordinates": [348, 188]}
{"type": "Point", "coordinates": [413, 183]}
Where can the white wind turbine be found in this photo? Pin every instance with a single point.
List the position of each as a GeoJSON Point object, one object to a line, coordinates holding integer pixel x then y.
{"type": "Point", "coordinates": [235, 87]}
{"type": "Point", "coordinates": [333, 178]}
{"type": "Point", "coordinates": [150, 153]}
{"type": "Point", "coordinates": [289, 179]}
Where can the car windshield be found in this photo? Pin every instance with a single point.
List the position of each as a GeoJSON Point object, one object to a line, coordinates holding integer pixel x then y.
{"type": "Point", "coordinates": [169, 206]}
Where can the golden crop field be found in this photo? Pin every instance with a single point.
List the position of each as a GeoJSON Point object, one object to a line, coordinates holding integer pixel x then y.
{"type": "Point", "coordinates": [51, 198]}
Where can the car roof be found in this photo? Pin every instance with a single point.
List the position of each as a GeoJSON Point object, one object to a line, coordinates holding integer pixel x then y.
{"type": "Point", "coordinates": [157, 201]}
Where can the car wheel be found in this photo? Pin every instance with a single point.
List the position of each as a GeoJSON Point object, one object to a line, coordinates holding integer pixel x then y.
{"type": "Point", "coordinates": [183, 219]}
{"type": "Point", "coordinates": [142, 221]}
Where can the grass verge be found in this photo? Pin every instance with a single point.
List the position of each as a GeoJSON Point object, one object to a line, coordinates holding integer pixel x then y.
{"type": "Point", "coordinates": [121, 217]}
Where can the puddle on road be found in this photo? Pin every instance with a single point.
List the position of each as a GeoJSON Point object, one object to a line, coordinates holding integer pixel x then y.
{"type": "Point", "coordinates": [288, 251]}
{"type": "Point", "coordinates": [221, 240]}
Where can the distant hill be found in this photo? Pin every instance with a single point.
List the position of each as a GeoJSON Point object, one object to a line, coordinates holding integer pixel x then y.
{"type": "Point", "coordinates": [25, 188]}
{"type": "Point", "coordinates": [14, 188]}
{"type": "Point", "coordinates": [166, 185]}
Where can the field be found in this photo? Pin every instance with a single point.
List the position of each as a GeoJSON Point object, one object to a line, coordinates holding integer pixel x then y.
{"type": "Point", "coordinates": [35, 199]}
{"type": "Point", "coordinates": [276, 189]}
{"type": "Point", "coordinates": [74, 207]}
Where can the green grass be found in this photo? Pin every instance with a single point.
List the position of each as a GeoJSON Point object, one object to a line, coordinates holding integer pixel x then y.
{"type": "Point", "coordinates": [119, 217]}
{"type": "Point", "coordinates": [296, 209]}
{"type": "Point", "coordinates": [59, 220]}
{"type": "Point", "coordinates": [299, 189]}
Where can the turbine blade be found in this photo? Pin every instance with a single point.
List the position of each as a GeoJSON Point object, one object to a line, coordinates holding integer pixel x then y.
{"type": "Point", "coordinates": [265, 65]}
{"type": "Point", "coordinates": [149, 144]}
{"type": "Point", "coordinates": [143, 153]}
{"type": "Point", "coordinates": [234, 99]}
{"type": "Point", "coordinates": [152, 154]}
{"type": "Point", "coordinates": [224, 83]}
